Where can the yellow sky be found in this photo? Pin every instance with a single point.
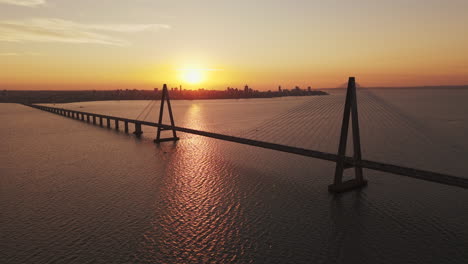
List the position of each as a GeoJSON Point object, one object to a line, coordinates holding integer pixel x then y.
{"type": "Point", "coordinates": [87, 44]}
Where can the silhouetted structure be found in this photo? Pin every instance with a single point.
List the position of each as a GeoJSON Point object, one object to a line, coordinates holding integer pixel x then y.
{"type": "Point", "coordinates": [350, 111]}
{"type": "Point", "coordinates": [342, 161]}
{"type": "Point", "coordinates": [165, 97]}
{"type": "Point", "coordinates": [36, 97]}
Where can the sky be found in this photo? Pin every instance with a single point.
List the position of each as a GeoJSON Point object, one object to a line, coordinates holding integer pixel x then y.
{"type": "Point", "coordinates": [141, 44]}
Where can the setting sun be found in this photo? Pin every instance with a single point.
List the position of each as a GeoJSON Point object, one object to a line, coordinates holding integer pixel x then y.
{"type": "Point", "coordinates": [192, 76]}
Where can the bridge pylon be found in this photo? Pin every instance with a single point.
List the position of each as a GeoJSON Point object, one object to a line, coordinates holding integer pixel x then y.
{"type": "Point", "coordinates": [165, 97]}
{"type": "Point", "coordinates": [342, 163]}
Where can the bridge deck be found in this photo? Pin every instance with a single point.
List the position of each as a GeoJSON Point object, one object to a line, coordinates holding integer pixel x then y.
{"type": "Point", "coordinates": [372, 165]}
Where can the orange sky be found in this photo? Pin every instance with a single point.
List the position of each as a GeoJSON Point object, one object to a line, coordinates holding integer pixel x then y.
{"type": "Point", "coordinates": [64, 44]}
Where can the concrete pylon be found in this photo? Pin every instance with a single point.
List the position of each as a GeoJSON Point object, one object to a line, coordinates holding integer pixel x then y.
{"type": "Point", "coordinates": [350, 112]}
{"type": "Point", "coordinates": [165, 98]}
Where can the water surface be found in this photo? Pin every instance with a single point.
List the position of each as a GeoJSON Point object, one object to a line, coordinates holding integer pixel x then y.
{"type": "Point", "coordinates": [71, 192]}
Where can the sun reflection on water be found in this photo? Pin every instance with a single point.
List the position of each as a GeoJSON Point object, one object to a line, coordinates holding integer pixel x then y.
{"type": "Point", "coordinates": [198, 210]}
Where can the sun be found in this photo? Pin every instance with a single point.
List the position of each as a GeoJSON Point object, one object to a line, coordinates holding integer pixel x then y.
{"type": "Point", "coordinates": [192, 76]}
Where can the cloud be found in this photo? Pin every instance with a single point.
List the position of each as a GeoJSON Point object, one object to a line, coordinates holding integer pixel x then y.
{"type": "Point", "coordinates": [199, 69]}
{"type": "Point", "coordinates": [5, 54]}
{"type": "Point", "coordinates": [65, 31]}
{"type": "Point", "coordinates": [8, 54]}
{"type": "Point", "coordinates": [28, 3]}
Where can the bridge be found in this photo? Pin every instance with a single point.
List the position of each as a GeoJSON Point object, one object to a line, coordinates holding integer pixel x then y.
{"type": "Point", "coordinates": [342, 161]}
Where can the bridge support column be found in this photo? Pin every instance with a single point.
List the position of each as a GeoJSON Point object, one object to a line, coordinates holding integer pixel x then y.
{"type": "Point", "coordinates": [165, 97]}
{"type": "Point", "coordinates": [126, 127]}
{"type": "Point", "coordinates": [108, 123]}
{"type": "Point", "coordinates": [350, 112]}
{"type": "Point", "coordinates": [87, 118]}
{"type": "Point", "coordinates": [138, 130]}
{"type": "Point", "coordinates": [82, 117]}
{"type": "Point", "coordinates": [116, 124]}
{"type": "Point", "coordinates": [100, 120]}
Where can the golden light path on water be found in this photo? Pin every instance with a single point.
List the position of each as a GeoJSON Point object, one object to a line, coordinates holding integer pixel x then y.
{"type": "Point", "coordinates": [200, 210]}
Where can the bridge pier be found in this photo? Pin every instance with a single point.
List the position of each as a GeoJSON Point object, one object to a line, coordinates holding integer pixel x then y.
{"type": "Point", "coordinates": [100, 121]}
{"type": "Point", "coordinates": [138, 130]}
{"type": "Point", "coordinates": [116, 124]}
{"type": "Point", "coordinates": [94, 119]}
{"type": "Point", "coordinates": [108, 123]}
{"type": "Point", "coordinates": [87, 118]}
{"type": "Point", "coordinates": [126, 127]}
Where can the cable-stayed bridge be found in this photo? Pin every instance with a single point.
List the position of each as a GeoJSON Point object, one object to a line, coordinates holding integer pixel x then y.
{"type": "Point", "coordinates": [350, 121]}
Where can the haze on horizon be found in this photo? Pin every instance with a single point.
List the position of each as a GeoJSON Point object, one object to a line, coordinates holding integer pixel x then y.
{"type": "Point", "coordinates": [120, 44]}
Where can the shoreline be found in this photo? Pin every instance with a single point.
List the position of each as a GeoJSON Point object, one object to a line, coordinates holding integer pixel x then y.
{"type": "Point", "coordinates": [57, 97]}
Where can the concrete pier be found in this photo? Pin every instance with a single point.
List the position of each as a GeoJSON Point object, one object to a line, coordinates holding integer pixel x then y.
{"type": "Point", "coordinates": [138, 130]}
